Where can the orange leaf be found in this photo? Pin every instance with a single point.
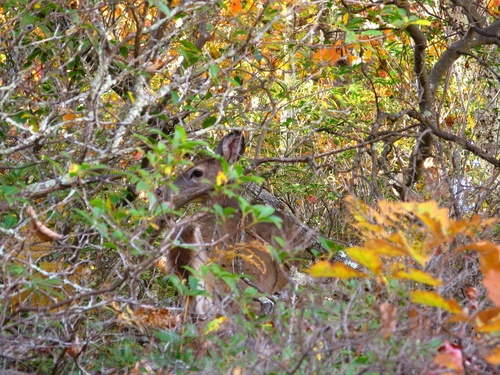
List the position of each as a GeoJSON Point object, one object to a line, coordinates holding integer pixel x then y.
{"type": "Point", "coordinates": [236, 7]}
{"type": "Point", "coordinates": [494, 8]}
{"type": "Point", "coordinates": [481, 246]}
{"type": "Point", "coordinates": [488, 320]}
{"type": "Point", "coordinates": [491, 281]}
{"type": "Point", "coordinates": [459, 318]}
{"type": "Point", "coordinates": [489, 255]}
{"type": "Point", "coordinates": [330, 55]}
{"type": "Point", "coordinates": [435, 300]}
{"type": "Point", "coordinates": [339, 270]}
{"type": "Point", "coordinates": [69, 116]}
{"type": "Point", "coordinates": [494, 357]}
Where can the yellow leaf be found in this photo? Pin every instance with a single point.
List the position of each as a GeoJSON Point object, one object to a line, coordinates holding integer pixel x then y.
{"type": "Point", "coordinates": [215, 324]}
{"type": "Point", "coordinates": [338, 270]}
{"type": "Point", "coordinates": [384, 247]}
{"type": "Point", "coordinates": [367, 55]}
{"type": "Point", "coordinates": [434, 217]}
{"type": "Point", "coordinates": [131, 96]}
{"type": "Point", "coordinates": [437, 219]}
{"type": "Point", "coordinates": [167, 170]}
{"type": "Point", "coordinates": [435, 300]}
{"type": "Point", "coordinates": [73, 170]}
{"type": "Point", "coordinates": [413, 251]}
{"type": "Point", "coordinates": [221, 178]}
{"type": "Point", "coordinates": [418, 276]}
{"type": "Point", "coordinates": [319, 349]}
{"type": "Point", "coordinates": [366, 257]}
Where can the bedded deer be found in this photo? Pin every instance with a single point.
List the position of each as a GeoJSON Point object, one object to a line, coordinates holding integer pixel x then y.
{"type": "Point", "coordinates": [232, 242]}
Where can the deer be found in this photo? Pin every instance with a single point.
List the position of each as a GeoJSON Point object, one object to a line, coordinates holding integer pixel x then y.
{"type": "Point", "coordinates": [235, 243]}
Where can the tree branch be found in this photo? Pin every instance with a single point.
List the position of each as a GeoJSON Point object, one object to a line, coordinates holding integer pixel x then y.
{"type": "Point", "coordinates": [473, 38]}
{"type": "Point", "coordinates": [456, 139]}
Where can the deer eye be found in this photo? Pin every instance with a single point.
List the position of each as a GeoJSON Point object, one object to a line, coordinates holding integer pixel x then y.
{"type": "Point", "coordinates": [197, 173]}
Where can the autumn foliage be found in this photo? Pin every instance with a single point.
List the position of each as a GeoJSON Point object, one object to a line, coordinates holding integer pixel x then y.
{"type": "Point", "coordinates": [370, 126]}
{"type": "Point", "coordinates": [404, 242]}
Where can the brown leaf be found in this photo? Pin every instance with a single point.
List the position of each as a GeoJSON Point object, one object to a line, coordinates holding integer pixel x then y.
{"type": "Point", "coordinates": [43, 232]}
{"type": "Point", "coordinates": [387, 318]}
{"type": "Point", "coordinates": [157, 317]}
{"type": "Point", "coordinates": [162, 265]}
{"type": "Point", "coordinates": [75, 349]}
{"type": "Point", "coordinates": [419, 323]}
{"type": "Point", "coordinates": [473, 294]}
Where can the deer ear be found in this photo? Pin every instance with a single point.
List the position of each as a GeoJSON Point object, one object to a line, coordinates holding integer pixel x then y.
{"type": "Point", "coordinates": [232, 146]}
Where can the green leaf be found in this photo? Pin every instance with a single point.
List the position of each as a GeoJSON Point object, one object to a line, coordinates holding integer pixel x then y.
{"type": "Point", "coordinates": [330, 245]}
{"type": "Point", "coordinates": [420, 22]}
{"type": "Point", "coordinates": [9, 221]}
{"type": "Point", "coordinates": [8, 191]}
{"type": "Point", "coordinates": [209, 121]}
{"type": "Point", "coordinates": [16, 269]}
{"type": "Point", "coordinates": [175, 96]}
{"type": "Point", "coordinates": [161, 6]}
{"type": "Point", "coordinates": [142, 186]}
{"type": "Point", "coordinates": [168, 337]}
{"type": "Point", "coordinates": [190, 52]}
{"type": "Point", "coordinates": [213, 70]}
{"type": "Point", "coordinates": [372, 33]}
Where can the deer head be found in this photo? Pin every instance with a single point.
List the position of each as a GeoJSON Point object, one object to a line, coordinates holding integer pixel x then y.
{"type": "Point", "coordinates": [197, 182]}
